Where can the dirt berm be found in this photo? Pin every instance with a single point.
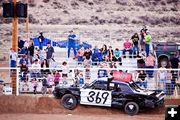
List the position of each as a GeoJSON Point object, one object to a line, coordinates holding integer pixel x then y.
{"type": "Point", "coordinates": [33, 104]}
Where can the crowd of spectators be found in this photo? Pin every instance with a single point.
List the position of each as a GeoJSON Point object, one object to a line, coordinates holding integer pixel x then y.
{"type": "Point", "coordinates": [138, 46]}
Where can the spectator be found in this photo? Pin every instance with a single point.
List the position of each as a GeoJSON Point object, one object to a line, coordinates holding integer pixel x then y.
{"type": "Point", "coordinates": [41, 40]}
{"type": "Point", "coordinates": [149, 64]}
{"type": "Point", "coordinates": [13, 57]}
{"type": "Point", "coordinates": [72, 43]}
{"type": "Point", "coordinates": [104, 51]}
{"type": "Point", "coordinates": [97, 55]}
{"type": "Point", "coordinates": [127, 47]}
{"type": "Point", "coordinates": [24, 50]}
{"type": "Point", "coordinates": [141, 79]}
{"type": "Point", "coordinates": [135, 40]}
{"type": "Point", "coordinates": [24, 70]}
{"type": "Point", "coordinates": [36, 66]}
{"type": "Point", "coordinates": [31, 51]}
{"type": "Point", "coordinates": [88, 55]}
{"type": "Point", "coordinates": [50, 80]}
{"type": "Point", "coordinates": [174, 63]}
{"type": "Point", "coordinates": [23, 59]}
{"type": "Point", "coordinates": [80, 54]}
{"type": "Point", "coordinates": [162, 78]}
{"type": "Point", "coordinates": [45, 67]}
{"type": "Point", "coordinates": [49, 52]}
{"type": "Point", "coordinates": [20, 45]}
{"type": "Point", "coordinates": [38, 56]}
{"type": "Point", "coordinates": [168, 83]}
{"type": "Point", "coordinates": [117, 56]}
{"type": "Point", "coordinates": [147, 43]}
{"type": "Point", "coordinates": [56, 77]}
{"type": "Point", "coordinates": [140, 60]}
{"type": "Point", "coordinates": [35, 84]}
{"type": "Point", "coordinates": [44, 85]}
{"type": "Point", "coordinates": [110, 54]}
{"type": "Point", "coordinates": [142, 33]}
{"type": "Point", "coordinates": [65, 70]}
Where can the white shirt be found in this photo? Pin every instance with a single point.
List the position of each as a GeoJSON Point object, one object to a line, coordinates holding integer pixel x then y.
{"type": "Point", "coordinates": [34, 65]}
{"type": "Point", "coordinates": [13, 55]}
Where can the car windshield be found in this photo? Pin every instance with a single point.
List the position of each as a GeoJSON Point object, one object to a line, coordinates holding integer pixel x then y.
{"type": "Point", "coordinates": [135, 87]}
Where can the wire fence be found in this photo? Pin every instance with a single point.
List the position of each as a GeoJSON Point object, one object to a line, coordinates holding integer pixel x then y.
{"type": "Point", "coordinates": [32, 80]}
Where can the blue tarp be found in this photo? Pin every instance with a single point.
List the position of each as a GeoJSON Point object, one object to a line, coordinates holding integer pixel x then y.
{"type": "Point", "coordinates": [64, 44]}
{"type": "Point", "coordinates": [61, 43]}
{"type": "Point", "coordinates": [46, 40]}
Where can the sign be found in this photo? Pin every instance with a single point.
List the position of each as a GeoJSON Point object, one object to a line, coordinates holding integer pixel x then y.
{"type": "Point", "coordinates": [95, 97]}
{"type": "Point", "coordinates": [7, 90]}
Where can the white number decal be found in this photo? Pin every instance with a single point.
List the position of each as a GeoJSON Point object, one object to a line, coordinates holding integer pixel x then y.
{"type": "Point", "coordinates": [96, 97]}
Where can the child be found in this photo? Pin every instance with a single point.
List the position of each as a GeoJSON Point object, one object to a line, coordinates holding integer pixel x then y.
{"type": "Point", "coordinates": [56, 77]}
{"type": "Point", "coordinates": [35, 84]}
{"type": "Point", "coordinates": [64, 68]}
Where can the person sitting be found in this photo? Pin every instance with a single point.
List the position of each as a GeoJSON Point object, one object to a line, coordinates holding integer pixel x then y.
{"type": "Point", "coordinates": [88, 55]}
{"type": "Point", "coordinates": [141, 79]}
{"type": "Point", "coordinates": [22, 59]}
{"type": "Point", "coordinates": [127, 47]}
{"type": "Point", "coordinates": [80, 54]}
{"type": "Point", "coordinates": [36, 69]}
{"type": "Point", "coordinates": [116, 56]}
{"type": "Point", "coordinates": [104, 51]}
{"type": "Point", "coordinates": [95, 55]}
{"type": "Point", "coordinates": [45, 67]}
{"type": "Point", "coordinates": [110, 54]}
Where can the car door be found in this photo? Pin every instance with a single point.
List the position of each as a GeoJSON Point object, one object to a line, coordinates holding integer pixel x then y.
{"type": "Point", "coordinates": [96, 95]}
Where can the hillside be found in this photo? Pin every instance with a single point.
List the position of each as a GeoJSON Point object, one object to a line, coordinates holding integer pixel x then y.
{"type": "Point", "coordinates": [98, 21]}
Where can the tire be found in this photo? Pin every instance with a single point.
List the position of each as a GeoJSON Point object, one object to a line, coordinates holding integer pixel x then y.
{"type": "Point", "coordinates": [131, 111]}
{"type": "Point", "coordinates": [69, 101]}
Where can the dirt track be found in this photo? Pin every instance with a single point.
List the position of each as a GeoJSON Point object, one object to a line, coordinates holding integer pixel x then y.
{"type": "Point", "coordinates": [32, 107]}
{"type": "Point", "coordinates": [78, 117]}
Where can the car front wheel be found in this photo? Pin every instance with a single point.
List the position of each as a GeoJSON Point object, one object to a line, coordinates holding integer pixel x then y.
{"type": "Point", "coordinates": [131, 108]}
{"type": "Point", "coordinates": [69, 101]}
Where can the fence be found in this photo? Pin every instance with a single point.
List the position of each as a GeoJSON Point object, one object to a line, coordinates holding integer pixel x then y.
{"type": "Point", "coordinates": [161, 79]}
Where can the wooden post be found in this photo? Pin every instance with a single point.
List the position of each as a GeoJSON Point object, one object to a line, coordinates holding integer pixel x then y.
{"type": "Point", "coordinates": [27, 21]}
{"type": "Point", "coordinates": [14, 45]}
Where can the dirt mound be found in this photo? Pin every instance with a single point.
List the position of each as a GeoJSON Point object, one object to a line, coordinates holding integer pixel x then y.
{"type": "Point", "coordinates": [33, 104]}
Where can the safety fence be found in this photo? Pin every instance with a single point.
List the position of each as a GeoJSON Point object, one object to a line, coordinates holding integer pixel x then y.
{"type": "Point", "coordinates": [32, 81]}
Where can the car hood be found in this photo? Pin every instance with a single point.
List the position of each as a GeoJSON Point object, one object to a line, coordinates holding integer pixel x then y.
{"type": "Point", "coordinates": [144, 92]}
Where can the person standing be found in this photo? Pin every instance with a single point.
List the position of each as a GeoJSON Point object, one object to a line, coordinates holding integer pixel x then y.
{"type": "Point", "coordinates": [142, 33]}
{"type": "Point", "coordinates": [149, 64]}
{"type": "Point", "coordinates": [147, 43]}
{"type": "Point", "coordinates": [135, 40]}
{"type": "Point", "coordinates": [72, 43]}
{"type": "Point", "coordinates": [49, 52]}
{"type": "Point", "coordinates": [174, 63]}
{"type": "Point", "coordinates": [31, 51]}
{"type": "Point", "coordinates": [41, 39]}
{"type": "Point", "coordinates": [20, 45]}
{"type": "Point", "coordinates": [13, 58]}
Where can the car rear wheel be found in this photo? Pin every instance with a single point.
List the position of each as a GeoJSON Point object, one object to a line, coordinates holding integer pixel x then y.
{"type": "Point", "coordinates": [131, 108]}
{"type": "Point", "coordinates": [69, 101]}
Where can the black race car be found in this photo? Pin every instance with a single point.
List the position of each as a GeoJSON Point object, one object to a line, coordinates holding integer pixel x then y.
{"type": "Point", "coordinates": [111, 94]}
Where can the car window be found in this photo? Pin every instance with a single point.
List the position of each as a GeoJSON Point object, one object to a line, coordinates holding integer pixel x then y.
{"type": "Point", "coordinates": [124, 88]}
{"type": "Point", "coordinates": [99, 85]}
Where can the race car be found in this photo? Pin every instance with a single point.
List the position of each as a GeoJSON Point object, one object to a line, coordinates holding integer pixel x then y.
{"type": "Point", "coordinates": [110, 93]}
